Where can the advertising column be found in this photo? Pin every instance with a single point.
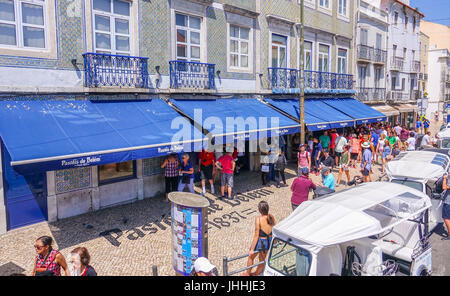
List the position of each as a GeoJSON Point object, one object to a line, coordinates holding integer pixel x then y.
{"type": "Point", "coordinates": [189, 230]}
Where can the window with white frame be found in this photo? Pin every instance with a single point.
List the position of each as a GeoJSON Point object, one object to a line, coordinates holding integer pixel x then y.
{"type": "Point", "coordinates": [239, 47]}
{"type": "Point", "coordinates": [323, 57]}
{"type": "Point", "coordinates": [308, 55]}
{"type": "Point", "coordinates": [279, 51]}
{"type": "Point", "coordinates": [362, 70]}
{"type": "Point", "coordinates": [23, 23]}
{"type": "Point", "coordinates": [395, 18]}
{"type": "Point", "coordinates": [342, 61]}
{"type": "Point", "coordinates": [188, 37]}
{"type": "Point", "coordinates": [342, 7]}
{"type": "Point", "coordinates": [111, 25]}
{"type": "Point", "coordinates": [324, 4]}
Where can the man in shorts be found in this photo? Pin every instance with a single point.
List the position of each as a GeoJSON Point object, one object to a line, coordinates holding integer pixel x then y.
{"type": "Point", "coordinates": [206, 162]}
{"type": "Point", "coordinates": [366, 162]}
{"type": "Point", "coordinates": [226, 164]}
{"type": "Point", "coordinates": [340, 142]}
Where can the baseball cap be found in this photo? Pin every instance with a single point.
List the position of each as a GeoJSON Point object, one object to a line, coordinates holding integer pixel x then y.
{"type": "Point", "coordinates": [305, 171]}
{"type": "Point", "coordinates": [202, 264]}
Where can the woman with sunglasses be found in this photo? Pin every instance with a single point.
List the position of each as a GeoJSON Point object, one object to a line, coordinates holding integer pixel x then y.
{"type": "Point", "coordinates": [48, 260]}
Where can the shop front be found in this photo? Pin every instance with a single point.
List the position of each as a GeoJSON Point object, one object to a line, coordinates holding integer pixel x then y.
{"type": "Point", "coordinates": [65, 158]}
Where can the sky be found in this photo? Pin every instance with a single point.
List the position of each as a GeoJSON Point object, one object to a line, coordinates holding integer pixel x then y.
{"type": "Point", "coordinates": [436, 11]}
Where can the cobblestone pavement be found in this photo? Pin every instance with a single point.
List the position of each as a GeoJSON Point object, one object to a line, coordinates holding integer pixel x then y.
{"type": "Point", "coordinates": [132, 248]}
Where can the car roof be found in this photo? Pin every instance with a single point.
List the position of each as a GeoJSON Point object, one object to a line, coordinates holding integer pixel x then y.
{"type": "Point", "coordinates": [421, 165]}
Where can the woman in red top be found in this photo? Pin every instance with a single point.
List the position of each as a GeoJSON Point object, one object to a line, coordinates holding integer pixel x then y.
{"type": "Point", "coordinates": [48, 260]}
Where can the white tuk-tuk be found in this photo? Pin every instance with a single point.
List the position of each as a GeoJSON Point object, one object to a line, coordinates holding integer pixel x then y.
{"type": "Point", "coordinates": [421, 170]}
{"type": "Point", "coordinates": [373, 229]}
{"type": "Point", "coordinates": [443, 139]}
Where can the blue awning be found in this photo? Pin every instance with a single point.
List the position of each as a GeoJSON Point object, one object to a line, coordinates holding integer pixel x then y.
{"type": "Point", "coordinates": [229, 120]}
{"type": "Point", "coordinates": [318, 115]}
{"type": "Point", "coordinates": [357, 110]}
{"type": "Point", "coordinates": [51, 135]}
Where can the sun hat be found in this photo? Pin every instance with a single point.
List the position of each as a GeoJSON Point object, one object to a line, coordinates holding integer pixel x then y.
{"type": "Point", "coordinates": [202, 264]}
{"type": "Point", "coordinates": [365, 145]}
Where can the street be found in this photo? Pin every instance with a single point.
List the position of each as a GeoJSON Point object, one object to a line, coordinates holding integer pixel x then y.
{"type": "Point", "coordinates": [144, 241]}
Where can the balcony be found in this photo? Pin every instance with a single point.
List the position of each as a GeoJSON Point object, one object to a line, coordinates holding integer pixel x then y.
{"type": "Point", "coordinates": [397, 96]}
{"type": "Point", "coordinates": [415, 66]}
{"type": "Point", "coordinates": [425, 77]}
{"type": "Point", "coordinates": [115, 71]}
{"type": "Point", "coordinates": [192, 75]}
{"type": "Point", "coordinates": [397, 64]}
{"type": "Point", "coordinates": [365, 53]}
{"type": "Point", "coordinates": [380, 56]}
{"type": "Point", "coordinates": [285, 78]}
{"type": "Point", "coordinates": [415, 95]}
{"type": "Point", "coordinates": [371, 94]}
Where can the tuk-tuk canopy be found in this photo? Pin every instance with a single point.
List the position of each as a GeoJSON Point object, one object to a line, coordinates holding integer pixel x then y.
{"type": "Point", "coordinates": [422, 165]}
{"type": "Point", "coordinates": [366, 210]}
{"type": "Point", "coordinates": [445, 133]}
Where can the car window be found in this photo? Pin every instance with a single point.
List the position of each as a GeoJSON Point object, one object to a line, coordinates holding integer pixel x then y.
{"type": "Point", "coordinates": [409, 183]}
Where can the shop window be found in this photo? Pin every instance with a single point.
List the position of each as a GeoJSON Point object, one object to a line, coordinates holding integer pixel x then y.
{"type": "Point", "coordinates": [115, 172]}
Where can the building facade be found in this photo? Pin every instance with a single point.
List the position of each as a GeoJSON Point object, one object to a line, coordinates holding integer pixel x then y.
{"type": "Point", "coordinates": [108, 51]}
{"type": "Point", "coordinates": [439, 83]}
{"type": "Point", "coordinates": [403, 57]}
{"type": "Point", "coordinates": [423, 75]}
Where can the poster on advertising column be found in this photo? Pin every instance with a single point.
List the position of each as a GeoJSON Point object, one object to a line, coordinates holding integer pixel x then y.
{"type": "Point", "coordinates": [189, 230]}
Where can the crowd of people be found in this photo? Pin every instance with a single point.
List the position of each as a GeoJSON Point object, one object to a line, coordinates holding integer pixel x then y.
{"type": "Point", "coordinates": [362, 146]}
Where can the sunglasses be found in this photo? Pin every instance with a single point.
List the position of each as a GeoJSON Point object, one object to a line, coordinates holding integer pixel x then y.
{"type": "Point", "coordinates": [38, 247]}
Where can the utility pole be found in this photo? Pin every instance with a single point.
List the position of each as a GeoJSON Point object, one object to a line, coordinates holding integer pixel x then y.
{"type": "Point", "coordinates": [302, 73]}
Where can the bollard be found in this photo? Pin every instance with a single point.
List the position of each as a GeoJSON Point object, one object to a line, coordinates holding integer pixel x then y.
{"type": "Point", "coordinates": [155, 270]}
{"type": "Point", "coordinates": [225, 265]}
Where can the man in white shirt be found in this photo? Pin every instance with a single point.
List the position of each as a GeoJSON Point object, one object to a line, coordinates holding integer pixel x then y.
{"type": "Point", "coordinates": [340, 142]}
{"type": "Point", "coordinates": [427, 141]}
{"type": "Point", "coordinates": [411, 142]}
{"type": "Point", "coordinates": [398, 129]}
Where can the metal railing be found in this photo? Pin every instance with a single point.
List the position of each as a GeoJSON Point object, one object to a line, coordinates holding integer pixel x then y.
{"type": "Point", "coordinates": [371, 94]}
{"type": "Point", "coordinates": [115, 70]}
{"type": "Point", "coordinates": [415, 66]}
{"type": "Point", "coordinates": [425, 76]}
{"type": "Point", "coordinates": [194, 75]}
{"type": "Point", "coordinates": [290, 78]}
{"type": "Point", "coordinates": [225, 262]}
{"type": "Point", "coordinates": [380, 56]}
{"type": "Point", "coordinates": [365, 52]}
{"type": "Point", "coordinates": [370, 53]}
{"type": "Point", "coordinates": [399, 96]}
{"type": "Point", "coordinates": [397, 63]}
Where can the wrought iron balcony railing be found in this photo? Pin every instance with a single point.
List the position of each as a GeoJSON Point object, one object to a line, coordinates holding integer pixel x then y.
{"type": "Point", "coordinates": [290, 78]}
{"type": "Point", "coordinates": [397, 64]}
{"type": "Point", "coordinates": [371, 94]}
{"type": "Point", "coordinates": [425, 76]}
{"type": "Point", "coordinates": [380, 56]}
{"type": "Point", "coordinates": [115, 70]}
{"type": "Point", "coordinates": [415, 66]}
{"type": "Point", "coordinates": [397, 95]}
{"type": "Point", "coordinates": [415, 94]}
{"type": "Point", "coordinates": [365, 52]}
{"type": "Point", "coordinates": [192, 75]}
